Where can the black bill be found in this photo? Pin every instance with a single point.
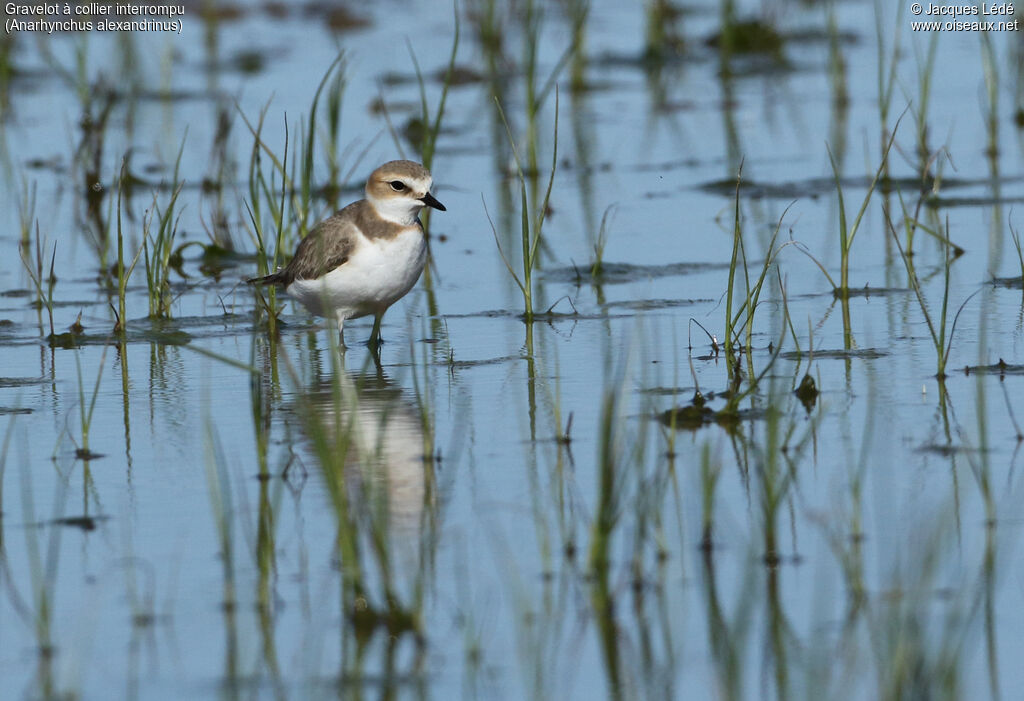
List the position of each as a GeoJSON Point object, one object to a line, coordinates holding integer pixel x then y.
{"type": "Point", "coordinates": [429, 200]}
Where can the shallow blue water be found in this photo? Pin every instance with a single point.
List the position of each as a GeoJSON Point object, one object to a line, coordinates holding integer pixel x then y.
{"type": "Point", "coordinates": [883, 494]}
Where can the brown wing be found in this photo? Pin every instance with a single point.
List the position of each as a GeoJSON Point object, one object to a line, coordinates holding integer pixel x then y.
{"type": "Point", "coordinates": [326, 247]}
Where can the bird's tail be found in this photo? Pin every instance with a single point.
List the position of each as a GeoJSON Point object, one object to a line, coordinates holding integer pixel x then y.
{"type": "Point", "coordinates": [275, 278]}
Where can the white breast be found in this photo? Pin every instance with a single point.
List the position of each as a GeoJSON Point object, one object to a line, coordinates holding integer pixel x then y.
{"type": "Point", "coordinates": [377, 274]}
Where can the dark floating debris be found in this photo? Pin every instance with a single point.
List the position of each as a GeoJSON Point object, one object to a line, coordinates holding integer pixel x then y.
{"type": "Point", "coordinates": [222, 12]}
{"type": "Point", "coordinates": [460, 75]}
{"type": "Point", "coordinates": [69, 339]}
{"type": "Point", "coordinates": [649, 304]}
{"type": "Point", "coordinates": [62, 340]}
{"type": "Point", "coordinates": [22, 381]}
{"type": "Point", "coordinates": [248, 61]}
{"type": "Point", "coordinates": [946, 450]}
{"type": "Point", "coordinates": [749, 37]}
{"type": "Point", "coordinates": [690, 417]}
{"type": "Point", "coordinates": [812, 187]}
{"type": "Point", "coordinates": [615, 273]}
{"type": "Point", "coordinates": [86, 523]}
{"type": "Point", "coordinates": [484, 361]}
{"type": "Point", "coordinates": [215, 259]}
{"type": "Point", "coordinates": [838, 354]}
{"type": "Point", "coordinates": [807, 392]}
{"type": "Point", "coordinates": [867, 291]}
{"type": "Point", "coordinates": [1001, 368]}
{"type": "Point", "coordinates": [815, 187]}
{"type": "Point", "coordinates": [697, 415]}
{"type": "Point", "coordinates": [984, 201]}
{"type": "Point", "coordinates": [341, 20]}
{"type": "Point", "coordinates": [1014, 283]}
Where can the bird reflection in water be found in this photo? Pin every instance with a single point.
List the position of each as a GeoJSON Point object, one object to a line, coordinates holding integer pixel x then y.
{"type": "Point", "coordinates": [366, 426]}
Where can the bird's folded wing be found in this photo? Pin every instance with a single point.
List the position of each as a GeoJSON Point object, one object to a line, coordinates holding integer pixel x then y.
{"type": "Point", "coordinates": [325, 248]}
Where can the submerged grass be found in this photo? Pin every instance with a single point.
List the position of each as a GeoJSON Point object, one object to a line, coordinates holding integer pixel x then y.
{"type": "Point", "coordinates": [1015, 236]}
{"type": "Point", "coordinates": [298, 182]}
{"type": "Point", "coordinates": [599, 242]}
{"type": "Point", "coordinates": [8, 432]}
{"type": "Point", "coordinates": [925, 70]}
{"type": "Point", "coordinates": [577, 12]}
{"type": "Point", "coordinates": [990, 64]}
{"type": "Point", "coordinates": [942, 342]}
{"type": "Point", "coordinates": [280, 200]}
{"type": "Point", "coordinates": [34, 268]}
{"type": "Point", "coordinates": [334, 76]}
{"type": "Point", "coordinates": [847, 231]}
{"type": "Point", "coordinates": [611, 470]}
{"type": "Point", "coordinates": [260, 190]}
{"type": "Point", "coordinates": [662, 40]}
{"type": "Point", "coordinates": [431, 128]}
{"type": "Point", "coordinates": [222, 508]}
{"type": "Point", "coordinates": [85, 411]}
{"type": "Point", "coordinates": [532, 215]}
{"type": "Point", "coordinates": [123, 272]}
{"type": "Point", "coordinates": [7, 71]}
{"type": "Point", "coordinates": [886, 74]}
{"type": "Point", "coordinates": [159, 228]}
{"type": "Point", "coordinates": [739, 324]}
{"type": "Point", "coordinates": [27, 213]}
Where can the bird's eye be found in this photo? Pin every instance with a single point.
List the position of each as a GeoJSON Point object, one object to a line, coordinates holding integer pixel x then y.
{"type": "Point", "coordinates": [397, 185]}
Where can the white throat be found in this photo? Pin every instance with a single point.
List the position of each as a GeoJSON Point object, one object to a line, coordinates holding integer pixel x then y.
{"type": "Point", "coordinates": [400, 210]}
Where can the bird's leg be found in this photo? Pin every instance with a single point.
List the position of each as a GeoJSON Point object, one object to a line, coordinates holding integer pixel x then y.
{"type": "Point", "coordinates": [375, 339]}
{"type": "Point", "coordinates": [341, 330]}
